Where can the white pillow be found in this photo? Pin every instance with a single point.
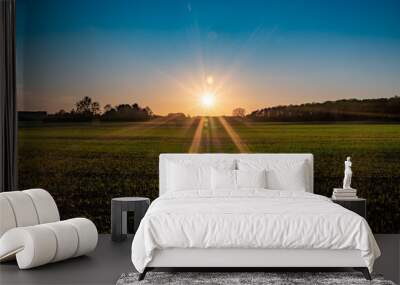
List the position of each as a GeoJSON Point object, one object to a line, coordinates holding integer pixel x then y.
{"type": "Point", "coordinates": [188, 177]}
{"type": "Point", "coordinates": [281, 174]}
{"type": "Point", "coordinates": [251, 178]}
{"type": "Point", "coordinates": [223, 179]}
{"type": "Point", "coordinates": [292, 179]}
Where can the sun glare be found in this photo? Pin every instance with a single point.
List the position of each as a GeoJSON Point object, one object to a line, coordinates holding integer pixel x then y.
{"type": "Point", "coordinates": [208, 99]}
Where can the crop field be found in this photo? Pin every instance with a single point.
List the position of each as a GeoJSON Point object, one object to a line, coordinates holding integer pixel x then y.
{"type": "Point", "coordinates": [84, 165]}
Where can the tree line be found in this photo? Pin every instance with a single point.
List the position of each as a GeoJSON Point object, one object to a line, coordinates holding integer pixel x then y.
{"type": "Point", "coordinates": [382, 109]}
{"type": "Point", "coordinates": [87, 110]}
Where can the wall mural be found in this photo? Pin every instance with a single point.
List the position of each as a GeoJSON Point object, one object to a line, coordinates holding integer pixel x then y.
{"type": "Point", "coordinates": [104, 87]}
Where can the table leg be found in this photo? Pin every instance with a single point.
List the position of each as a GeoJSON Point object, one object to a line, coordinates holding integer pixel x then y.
{"type": "Point", "coordinates": [116, 223]}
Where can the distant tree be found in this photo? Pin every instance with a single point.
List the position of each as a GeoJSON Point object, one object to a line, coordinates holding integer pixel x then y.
{"type": "Point", "coordinates": [149, 111]}
{"type": "Point", "coordinates": [107, 108]}
{"type": "Point", "coordinates": [126, 112]}
{"type": "Point", "coordinates": [136, 107]}
{"type": "Point", "coordinates": [95, 108]}
{"type": "Point", "coordinates": [177, 115]}
{"type": "Point", "coordinates": [123, 108]}
{"type": "Point", "coordinates": [83, 105]}
{"type": "Point", "coordinates": [239, 112]}
{"type": "Point", "coordinates": [87, 107]}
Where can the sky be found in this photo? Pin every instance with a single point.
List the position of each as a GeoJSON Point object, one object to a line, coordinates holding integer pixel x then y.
{"type": "Point", "coordinates": [205, 57]}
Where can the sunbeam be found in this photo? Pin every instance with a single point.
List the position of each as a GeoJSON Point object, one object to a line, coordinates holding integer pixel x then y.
{"type": "Point", "coordinates": [138, 128]}
{"type": "Point", "coordinates": [195, 146]}
{"type": "Point", "coordinates": [241, 146]}
{"type": "Point", "coordinates": [215, 139]}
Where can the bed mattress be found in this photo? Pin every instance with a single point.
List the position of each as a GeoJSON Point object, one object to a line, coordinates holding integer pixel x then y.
{"type": "Point", "coordinates": [250, 219]}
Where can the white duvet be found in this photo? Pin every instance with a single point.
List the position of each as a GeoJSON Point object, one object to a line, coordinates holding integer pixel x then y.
{"type": "Point", "coordinates": [250, 219]}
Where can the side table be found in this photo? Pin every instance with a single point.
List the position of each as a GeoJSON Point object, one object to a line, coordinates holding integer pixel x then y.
{"type": "Point", "coordinates": [358, 205]}
{"type": "Point", "coordinates": [119, 215]}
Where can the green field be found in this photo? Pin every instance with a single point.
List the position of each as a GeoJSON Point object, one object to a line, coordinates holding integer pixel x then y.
{"type": "Point", "coordinates": [84, 165]}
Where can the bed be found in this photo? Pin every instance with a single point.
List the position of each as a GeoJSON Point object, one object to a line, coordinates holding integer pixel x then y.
{"type": "Point", "coordinates": [247, 211]}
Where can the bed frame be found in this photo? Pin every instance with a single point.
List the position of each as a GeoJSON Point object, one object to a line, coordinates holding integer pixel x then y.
{"type": "Point", "coordinates": [237, 259]}
{"type": "Point", "coordinates": [259, 259]}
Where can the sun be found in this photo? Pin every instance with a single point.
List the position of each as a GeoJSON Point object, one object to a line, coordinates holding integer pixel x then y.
{"type": "Point", "coordinates": [208, 99]}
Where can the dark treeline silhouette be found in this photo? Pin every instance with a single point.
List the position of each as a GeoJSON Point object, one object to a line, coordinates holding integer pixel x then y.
{"type": "Point", "coordinates": [32, 116]}
{"type": "Point", "coordinates": [382, 109]}
{"type": "Point", "coordinates": [177, 116]}
{"type": "Point", "coordinates": [125, 112]}
{"type": "Point", "coordinates": [87, 110]}
{"type": "Point", "coordinates": [239, 112]}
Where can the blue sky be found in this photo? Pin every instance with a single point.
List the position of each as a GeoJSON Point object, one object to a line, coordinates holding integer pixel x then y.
{"type": "Point", "coordinates": [159, 53]}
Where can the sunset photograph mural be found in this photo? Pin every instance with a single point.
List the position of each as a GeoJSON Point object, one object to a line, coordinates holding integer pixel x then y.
{"type": "Point", "coordinates": [104, 87]}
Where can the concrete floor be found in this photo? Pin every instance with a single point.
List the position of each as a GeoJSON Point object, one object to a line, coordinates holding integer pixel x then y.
{"type": "Point", "coordinates": [110, 260]}
{"type": "Point", "coordinates": [389, 262]}
{"type": "Point", "coordinates": [103, 266]}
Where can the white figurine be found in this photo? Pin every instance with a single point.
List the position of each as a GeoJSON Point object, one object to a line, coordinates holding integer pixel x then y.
{"type": "Point", "coordinates": [347, 173]}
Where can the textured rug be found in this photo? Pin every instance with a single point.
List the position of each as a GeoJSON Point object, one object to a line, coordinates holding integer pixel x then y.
{"type": "Point", "coordinates": [273, 278]}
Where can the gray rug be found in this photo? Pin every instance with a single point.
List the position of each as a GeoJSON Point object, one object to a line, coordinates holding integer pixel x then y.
{"type": "Point", "coordinates": [228, 278]}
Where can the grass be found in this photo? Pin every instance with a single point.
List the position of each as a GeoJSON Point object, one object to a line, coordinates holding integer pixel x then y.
{"type": "Point", "coordinates": [84, 165]}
